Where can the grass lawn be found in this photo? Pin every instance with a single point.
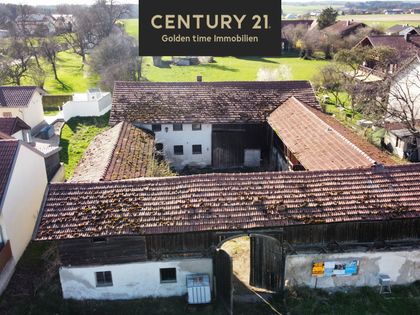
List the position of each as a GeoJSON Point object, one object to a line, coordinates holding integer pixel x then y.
{"type": "Point", "coordinates": [232, 69]}
{"type": "Point", "coordinates": [35, 289]}
{"type": "Point", "coordinates": [303, 8]}
{"type": "Point", "coordinates": [76, 136]}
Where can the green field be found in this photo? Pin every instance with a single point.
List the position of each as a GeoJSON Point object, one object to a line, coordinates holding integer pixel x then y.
{"type": "Point", "coordinates": [76, 136]}
{"type": "Point", "coordinates": [385, 20]}
{"type": "Point", "coordinates": [232, 69]}
{"type": "Point", "coordinates": [303, 8]}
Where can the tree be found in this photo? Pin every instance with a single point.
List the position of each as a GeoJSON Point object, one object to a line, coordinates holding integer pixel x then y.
{"type": "Point", "coordinates": [327, 17]}
{"type": "Point", "coordinates": [294, 34]}
{"type": "Point", "coordinates": [116, 58]}
{"type": "Point", "coordinates": [16, 63]}
{"type": "Point", "coordinates": [50, 48]}
{"type": "Point", "coordinates": [105, 14]}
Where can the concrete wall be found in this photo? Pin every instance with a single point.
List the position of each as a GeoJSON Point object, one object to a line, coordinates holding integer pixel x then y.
{"type": "Point", "coordinates": [402, 266]}
{"type": "Point", "coordinates": [130, 281]}
{"type": "Point", "coordinates": [390, 141]}
{"type": "Point", "coordinates": [187, 137]}
{"type": "Point", "coordinates": [23, 199]}
{"type": "Point", "coordinates": [87, 108]}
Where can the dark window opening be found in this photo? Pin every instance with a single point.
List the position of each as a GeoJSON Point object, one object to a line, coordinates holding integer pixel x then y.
{"type": "Point", "coordinates": [177, 127]}
{"type": "Point", "coordinates": [103, 279]}
{"type": "Point", "coordinates": [156, 127]}
{"type": "Point", "coordinates": [196, 126]}
{"type": "Point", "coordinates": [159, 147]}
{"type": "Point", "coordinates": [167, 275]}
{"type": "Point", "coordinates": [99, 240]}
{"type": "Point", "coordinates": [196, 149]}
{"type": "Point", "coordinates": [178, 150]}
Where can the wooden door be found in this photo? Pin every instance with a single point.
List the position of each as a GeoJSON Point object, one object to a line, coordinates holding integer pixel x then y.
{"type": "Point", "coordinates": [223, 280]}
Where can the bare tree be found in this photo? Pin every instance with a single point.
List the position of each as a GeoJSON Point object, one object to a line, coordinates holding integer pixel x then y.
{"type": "Point", "coordinates": [106, 13]}
{"type": "Point", "coordinates": [50, 48]}
{"type": "Point", "coordinates": [16, 63]}
{"type": "Point", "coordinates": [116, 58]}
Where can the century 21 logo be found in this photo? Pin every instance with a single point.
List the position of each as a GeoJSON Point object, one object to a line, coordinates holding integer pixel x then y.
{"type": "Point", "coordinates": [198, 21]}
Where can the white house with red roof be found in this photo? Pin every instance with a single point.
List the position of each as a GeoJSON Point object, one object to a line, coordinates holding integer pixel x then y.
{"type": "Point", "coordinates": [24, 102]}
{"type": "Point", "coordinates": [23, 180]}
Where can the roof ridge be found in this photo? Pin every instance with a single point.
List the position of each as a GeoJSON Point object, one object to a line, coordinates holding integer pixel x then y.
{"type": "Point", "coordinates": [114, 147]}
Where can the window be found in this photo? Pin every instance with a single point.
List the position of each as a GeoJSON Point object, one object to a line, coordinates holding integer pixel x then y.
{"type": "Point", "coordinates": [103, 279]}
{"type": "Point", "coordinates": [7, 115]}
{"type": "Point", "coordinates": [156, 127]}
{"type": "Point", "coordinates": [159, 147]}
{"type": "Point", "coordinates": [196, 149]}
{"type": "Point", "coordinates": [196, 126]}
{"type": "Point", "coordinates": [177, 127]}
{"type": "Point", "coordinates": [99, 240]}
{"type": "Point", "coordinates": [167, 275]}
{"type": "Point", "coordinates": [178, 150]}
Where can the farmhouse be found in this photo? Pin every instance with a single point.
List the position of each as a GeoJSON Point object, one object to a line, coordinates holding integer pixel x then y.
{"type": "Point", "coordinates": [406, 46]}
{"type": "Point", "coordinates": [143, 237]}
{"type": "Point", "coordinates": [227, 125]}
{"type": "Point", "coordinates": [24, 102]}
{"type": "Point", "coordinates": [402, 30]}
{"type": "Point", "coordinates": [344, 28]}
{"type": "Point", "coordinates": [36, 24]}
{"type": "Point", "coordinates": [23, 180]}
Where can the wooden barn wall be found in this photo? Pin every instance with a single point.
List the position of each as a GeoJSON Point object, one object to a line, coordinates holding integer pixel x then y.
{"type": "Point", "coordinates": [230, 140]}
{"type": "Point", "coordinates": [166, 245]}
{"type": "Point", "coordinates": [391, 230]}
{"type": "Point", "coordinates": [114, 250]}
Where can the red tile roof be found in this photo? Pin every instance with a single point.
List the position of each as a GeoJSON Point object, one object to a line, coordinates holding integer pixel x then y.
{"type": "Point", "coordinates": [406, 49]}
{"type": "Point", "coordinates": [229, 201]}
{"type": "Point", "coordinates": [343, 27]}
{"type": "Point", "coordinates": [10, 126]}
{"type": "Point", "coordinates": [16, 96]}
{"type": "Point", "coordinates": [316, 145]}
{"type": "Point", "coordinates": [122, 152]}
{"type": "Point", "coordinates": [205, 102]}
{"type": "Point", "coordinates": [8, 149]}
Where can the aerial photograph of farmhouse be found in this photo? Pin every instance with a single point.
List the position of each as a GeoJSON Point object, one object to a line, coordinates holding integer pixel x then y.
{"type": "Point", "coordinates": [169, 185]}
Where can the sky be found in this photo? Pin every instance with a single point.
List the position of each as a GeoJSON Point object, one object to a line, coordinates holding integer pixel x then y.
{"type": "Point", "coordinates": [55, 2]}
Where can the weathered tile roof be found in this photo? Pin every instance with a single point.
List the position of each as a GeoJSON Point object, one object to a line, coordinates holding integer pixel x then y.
{"type": "Point", "coordinates": [8, 149]}
{"type": "Point", "coordinates": [10, 126]}
{"type": "Point", "coordinates": [16, 96]}
{"type": "Point", "coordinates": [121, 152]}
{"type": "Point", "coordinates": [316, 145]}
{"type": "Point", "coordinates": [212, 202]}
{"type": "Point", "coordinates": [380, 156]}
{"type": "Point", "coordinates": [205, 102]}
{"type": "Point", "coordinates": [343, 27]}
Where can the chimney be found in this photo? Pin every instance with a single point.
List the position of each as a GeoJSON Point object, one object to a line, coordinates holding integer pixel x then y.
{"type": "Point", "coordinates": [348, 22]}
{"type": "Point", "coordinates": [199, 78]}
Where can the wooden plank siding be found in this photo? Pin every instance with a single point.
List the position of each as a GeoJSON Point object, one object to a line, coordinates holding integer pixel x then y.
{"type": "Point", "coordinates": [160, 246]}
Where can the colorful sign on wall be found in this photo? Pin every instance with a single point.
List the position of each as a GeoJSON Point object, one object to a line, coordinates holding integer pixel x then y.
{"type": "Point", "coordinates": [335, 268]}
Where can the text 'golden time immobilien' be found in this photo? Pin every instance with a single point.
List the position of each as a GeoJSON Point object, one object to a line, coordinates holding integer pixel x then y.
{"type": "Point", "coordinates": [210, 22]}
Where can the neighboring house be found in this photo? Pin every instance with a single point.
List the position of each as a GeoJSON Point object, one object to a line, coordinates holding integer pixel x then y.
{"type": "Point", "coordinates": [36, 24]}
{"type": "Point", "coordinates": [90, 104]}
{"type": "Point", "coordinates": [23, 182]}
{"type": "Point", "coordinates": [122, 152]}
{"type": "Point", "coordinates": [16, 128]}
{"type": "Point", "coordinates": [225, 125]}
{"type": "Point", "coordinates": [288, 25]}
{"type": "Point", "coordinates": [406, 47]}
{"type": "Point", "coordinates": [140, 238]}
{"type": "Point", "coordinates": [401, 30]}
{"type": "Point", "coordinates": [394, 11]}
{"type": "Point", "coordinates": [4, 33]}
{"type": "Point", "coordinates": [24, 102]}
{"type": "Point", "coordinates": [400, 141]}
{"type": "Point", "coordinates": [344, 28]}
{"type": "Point", "coordinates": [415, 11]}
{"type": "Point", "coordinates": [63, 22]}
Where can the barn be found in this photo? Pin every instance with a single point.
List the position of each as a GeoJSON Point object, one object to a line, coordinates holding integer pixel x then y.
{"type": "Point", "coordinates": [136, 238]}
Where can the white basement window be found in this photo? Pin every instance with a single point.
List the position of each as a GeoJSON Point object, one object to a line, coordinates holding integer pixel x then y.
{"type": "Point", "coordinates": [167, 275]}
{"type": "Point", "coordinates": [177, 127]}
{"type": "Point", "coordinates": [196, 126]}
{"type": "Point", "coordinates": [103, 279]}
{"type": "Point", "coordinates": [196, 149]}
